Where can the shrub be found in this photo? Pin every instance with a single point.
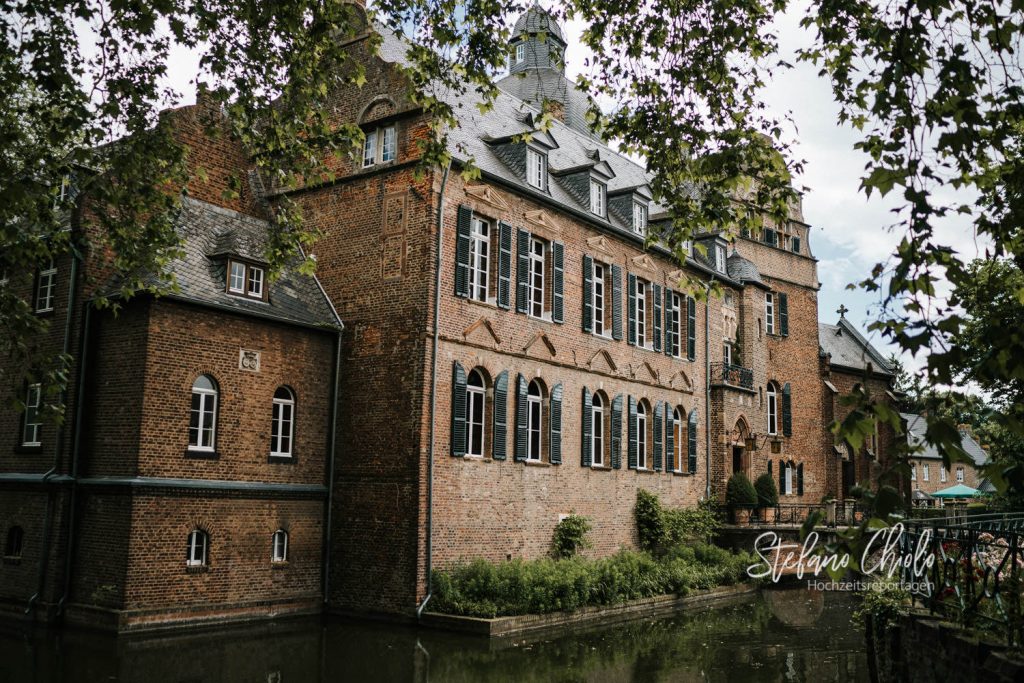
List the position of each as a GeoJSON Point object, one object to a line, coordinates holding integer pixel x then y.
{"type": "Point", "coordinates": [686, 525]}
{"type": "Point", "coordinates": [739, 492]}
{"type": "Point", "coordinates": [570, 536]}
{"type": "Point", "coordinates": [767, 494]}
{"type": "Point", "coordinates": [650, 521]}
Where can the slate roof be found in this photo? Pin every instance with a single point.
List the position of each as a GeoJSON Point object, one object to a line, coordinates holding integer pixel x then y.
{"type": "Point", "coordinates": [742, 269]}
{"type": "Point", "coordinates": [209, 234]}
{"type": "Point", "coordinates": [533, 85]}
{"type": "Point", "coordinates": [537, 20]}
{"type": "Point", "coordinates": [849, 348]}
{"type": "Point", "coordinates": [915, 428]}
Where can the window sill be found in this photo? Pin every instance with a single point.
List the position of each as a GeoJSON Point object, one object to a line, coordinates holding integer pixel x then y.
{"type": "Point", "coordinates": [201, 455]}
{"type": "Point", "coordinates": [12, 560]}
{"type": "Point", "coordinates": [476, 458]}
{"type": "Point", "coordinates": [676, 473]}
{"type": "Point", "coordinates": [601, 468]}
{"type": "Point", "coordinates": [644, 470]}
{"type": "Point", "coordinates": [546, 318]}
{"type": "Point", "coordinates": [279, 564]}
{"type": "Point", "coordinates": [281, 459]}
{"type": "Point", "coordinates": [197, 569]}
{"type": "Point", "coordinates": [28, 450]}
{"type": "Point", "coordinates": [606, 337]}
{"type": "Point", "coordinates": [536, 463]}
{"type": "Point", "coordinates": [44, 314]}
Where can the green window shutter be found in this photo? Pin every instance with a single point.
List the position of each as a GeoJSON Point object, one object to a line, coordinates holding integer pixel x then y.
{"type": "Point", "coordinates": [588, 293]}
{"type": "Point", "coordinates": [462, 228]}
{"type": "Point", "coordinates": [783, 315]}
{"type": "Point", "coordinates": [617, 432]}
{"type": "Point", "coordinates": [557, 282]}
{"type": "Point", "coordinates": [631, 319]}
{"type": "Point", "coordinates": [458, 410]}
{"type": "Point", "coordinates": [787, 411]}
{"type": "Point", "coordinates": [499, 440]}
{"type": "Point", "coordinates": [588, 415]}
{"type": "Point", "coordinates": [616, 303]}
{"type": "Point", "coordinates": [796, 245]}
{"type": "Point", "coordinates": [782, 477]}
{"type": "Point", "coordinates": [521, 435]}
{"type": "Point", "coordinates": [691, 328]}
{"type": "Point", "coordinates": [668, 322]}
{"type": "Point", "coordinates": [631, 458]}
{"type": "Point", "coordinates": [556, 425]}
{"type": "Point", "coordinates": [769, 468]}
{"type": "Point", "coordinates": [504, 265]}
{"type": "Point", "coordinates": [656, 298]}
{"type": "Point", "coordinates": [522, 269]}
{"type": "Point", "coordinates": [670, 438]}
{"type": "Point", "coordinates": [800, 479]}
{"type": "Point", "coordinates": [659, 418]}
{"type": "Point", "coordinates": [691, 437]}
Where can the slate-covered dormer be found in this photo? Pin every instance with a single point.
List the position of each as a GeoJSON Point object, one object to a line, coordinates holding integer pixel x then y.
{"type": "Point", "coordinates": [588, 183]}
{"type": "Point", "coordinates": [632, 205]}
{"type": "Point", "coordinates": [715, 251]}
{"type": "Point", "coordinates": [527, 158]}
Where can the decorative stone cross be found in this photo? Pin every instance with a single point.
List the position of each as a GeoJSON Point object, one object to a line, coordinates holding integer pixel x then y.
{"type": "Point", "coordinates": [843, 310]}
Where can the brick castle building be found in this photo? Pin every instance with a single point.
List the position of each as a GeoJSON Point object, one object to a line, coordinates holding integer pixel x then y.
{"type": "Point", "coordinates": [511, 352]}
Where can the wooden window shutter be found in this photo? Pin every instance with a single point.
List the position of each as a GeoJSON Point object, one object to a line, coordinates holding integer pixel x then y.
{"type": "Point", "coordinates": [588, 416]}
{"type": "Point", "coordinates": [617, 432]}
{"type": "Point", "coordinates": [521, 416]}
{"type": "Point", "coordinates": [783, 315]}
{"type": "Point", "coordinates": [670, 438]}
{"type": "Point", "coordinates": [462, 228]}
{"type": "Point", "coordinates": [691, 328]}
{"type": "Point", "coordinates": [800, 479]}
{"type": "Point", "coordinates": [782, 477]}
{"type": "Point", "coordinates": [499, 433]}
{"type": "Point", "coordinates": [659, 418]}
{"type": "Point", "coordinates": [588, 293]}
{"type": "Point", "coordinates": [631, 457]}
{"type": "Point", "coordinates": [504, 265]}
{"type": "Point", "coordinates": [796, 245]}
{"type": "Point", "coordinates": [668, 321]}
{"type": "Point", "coordinates": [691, 437]}
{"type": "Point", "coordinates": [555, 418]}
{"type": "Point", "coordinates": [787, 411]}
{"type": "Point", "coordinates": [631, 319]}
{"type": "Point", "coordinates": [769, 468]}
{"type": "Point", "coordinates": [557, 282]}
{"type": "Point", "coordinates": [522, 269]}
{"type": "Point", "coordinates": [458, 410]}
{"type": "Point", "coordinates": [656, 299]}
{"type": "Point", "coordinates": [616, 303]}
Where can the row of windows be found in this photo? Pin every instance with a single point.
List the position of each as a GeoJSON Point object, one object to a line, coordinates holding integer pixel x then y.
{"type": "Point", "coordinates": [777, 239]}
{"type": "Point", "coordinates": [655, 434]}
{"type": "Point", "coordinates": [943, 473]}
{"type": "Point", "coordinates": [202, 427]}
{"type": "Point", "coordinates": [197, 549]}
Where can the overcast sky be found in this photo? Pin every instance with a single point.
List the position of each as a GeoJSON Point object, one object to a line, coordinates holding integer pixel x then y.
{"type": "Point", "coordinates": [848, 233]}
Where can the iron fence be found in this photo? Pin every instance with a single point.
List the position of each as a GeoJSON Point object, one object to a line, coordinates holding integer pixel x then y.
{"type": "Point", "coordinates": [733, 375]}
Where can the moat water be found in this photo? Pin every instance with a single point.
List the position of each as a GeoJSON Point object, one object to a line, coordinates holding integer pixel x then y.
{"type": "Point", "coordinates": [782, 634]}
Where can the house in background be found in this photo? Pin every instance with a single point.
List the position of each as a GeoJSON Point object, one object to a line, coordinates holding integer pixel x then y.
{"type": "Point", "coordinates": [928, 475]}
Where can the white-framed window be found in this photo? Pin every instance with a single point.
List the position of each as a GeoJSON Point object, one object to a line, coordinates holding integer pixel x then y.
{"type": "Point", "coordinates": [727, 353]}
{"type": "Point", "coordinates": [674, 322]}
{"type": "Point", "coordinates": [943, 473]}
{"type": "Point", "coordinates": [255, 282]}
{"type": "Point", "coordinates": [719, 258]}
{"type": "Point", "coordinates": [45, 286]}
{"type": "Point", "coordinates": [639, 218]}
{"type": "Point", "coordinates": [773, 409]}
{"type": "Point", "coordinates": [913, 473]}
{"type": "Point", "coordinates": [32, 421]}
{"type": "Point", "coordinates": [599, 300]}
{"type": "Point", "coordinates": [536, 168]}
{"type": "Point", "coordinates": [534, 415]}
{"type": "Point", "coordinates": [282, 423]}
{"type": "Point", "coordinates": [236, 277]}
{"type": "Point", "coordinates": [198, 548]}
{"type": "Point", "coordinates": [960, 474]}
{"type": "Point", "coordinates": [789, 477]}
{"type": "Point", "coordinates": [520, 53]}
{"type": "Point", "coordinates": [15, 541]}
{"type": "Point", "coordinates": [640, 319]}
{"type": "Point", "coordinates": [925, 471]}
{"type": "Point", "coordinates": [769, 312]}
{"type": "Point", "coordinates": [279, 545]}
{"type": "Point", "coordinates": [535, 286]}
{"type": "Point", "coordinates": [641, 435]}
{"type": "Point", "coordinates": [381, 146]}
{"type": "Point", "coordinates": [598, 196]}
{"type": "Point", "coordinates": [476, 392]}
{"type": "Point", "coordinates": [479, 259]}
{"type": "Point", "coordinates": [597, 431]}
{"type": "Point", "coordinates": [680, 442]}
{"type": "Point", "coordinates": [202, 426]}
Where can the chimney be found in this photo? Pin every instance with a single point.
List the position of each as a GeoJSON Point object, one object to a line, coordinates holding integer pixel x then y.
{"type": "Point", "coordinates": [556, 109]}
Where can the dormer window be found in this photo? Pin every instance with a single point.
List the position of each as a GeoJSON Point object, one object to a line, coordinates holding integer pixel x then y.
{"type": "Point", "coordinates": [639, 218]}
{"type": "Point", "coordinates": [381, 146]}
{"type": "Point", "coordinates": [536, 168]}
{"type": "Point", "coordinates": [598, 197]}
{"type": "Point", "coordinates": [520, 53]}
{"type": "Point", "coordinates": [720, 258]}
{"type": "Point", "coordinates": [245, 280]}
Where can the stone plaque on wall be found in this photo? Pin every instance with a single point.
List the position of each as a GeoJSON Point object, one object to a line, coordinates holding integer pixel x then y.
{"type": "Point", "coordinates": [248, 360]}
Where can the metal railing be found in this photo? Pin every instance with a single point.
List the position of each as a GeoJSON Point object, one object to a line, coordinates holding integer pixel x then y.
{"type": "Point", "coordinates": [797, 513]}
{"type": "Point", "coordinates": [733, 375]}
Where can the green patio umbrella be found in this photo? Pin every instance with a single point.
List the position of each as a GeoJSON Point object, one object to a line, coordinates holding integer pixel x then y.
{"type": "Point", "coordinates": [958, 491]}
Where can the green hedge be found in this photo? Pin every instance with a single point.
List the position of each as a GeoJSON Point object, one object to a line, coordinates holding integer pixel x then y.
{"type": "Point", "coordinates": [484, 589]}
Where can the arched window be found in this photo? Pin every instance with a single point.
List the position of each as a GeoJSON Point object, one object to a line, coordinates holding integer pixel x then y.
{"type": "Point", "coordinates": [202, 426]}
{"type": "Point", "coordinates": [280, 546]}
{"type": "Point", "coordinates": [476, 391]}
{"type": "Point", "coordinates": [282, 423]}
{"type": "Point", "coordinates": [641, 435]}
{"type": "Point", "coordinates": [679, 443]}
{"type": "Point", "coordinates": [198, 548]}
{"type": "Point", "coordinates": [597, 436]}
{"type": "Point", "coordinates": [15, 537]}
{"type": "Point", "coordinates": [534, 419]}
{"type": "Point", "coordinates": [773, 409]}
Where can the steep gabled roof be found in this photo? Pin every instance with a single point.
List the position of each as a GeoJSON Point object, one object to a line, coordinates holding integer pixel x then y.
{"type": "Point", "coordinates": [915, 428]}
{"type": "Point", "coordinates": [849, 348]}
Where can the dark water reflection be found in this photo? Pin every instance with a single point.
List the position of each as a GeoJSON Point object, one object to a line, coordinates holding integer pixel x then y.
{"type": "Point", "coordinates": [780, 635]}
